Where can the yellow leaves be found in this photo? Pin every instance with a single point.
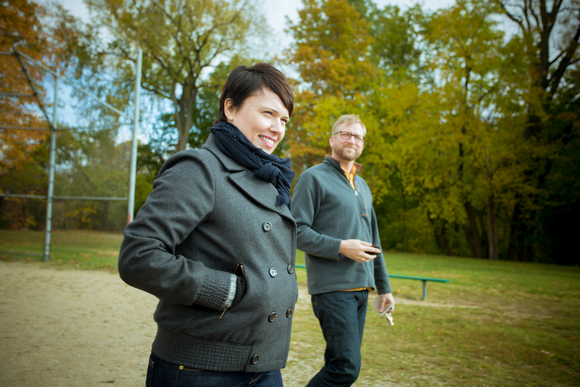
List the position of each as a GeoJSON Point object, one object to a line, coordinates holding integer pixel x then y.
{"type": "Point", "coordinates": [81, 216]}
{"type": "Point", "coordinates": [20, 21]}
{"type": "Point", "coordinates": [331, 47]}
{"type": "Point", "coordinates": [331, 51]}
{"type": "Point", "coordinates": [18, 214]}
{"type": "Point", "coordinates": [17, 146]}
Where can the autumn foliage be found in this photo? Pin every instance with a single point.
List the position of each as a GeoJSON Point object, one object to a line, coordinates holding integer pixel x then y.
{"type": "Point", "coordinates": [43, 34]}
{"type": "Point", "coordinates": [20, 27]}
{"type": "Point", "coordinates": [461, 124]}
{"type": "Point", "coordinates": [472, 144]}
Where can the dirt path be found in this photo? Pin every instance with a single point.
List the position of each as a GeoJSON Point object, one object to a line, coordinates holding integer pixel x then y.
{"type": "Point", "coordinates": [75, 328]}
{"type": "Point", "coordinates": [72, 328]}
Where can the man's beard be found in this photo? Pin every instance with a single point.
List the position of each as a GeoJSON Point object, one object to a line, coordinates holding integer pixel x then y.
{"type": "Point", "coordinates": [350, 156]}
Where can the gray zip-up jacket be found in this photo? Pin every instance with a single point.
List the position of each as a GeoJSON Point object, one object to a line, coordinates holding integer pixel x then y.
{"type": "Point", "coordinates": [205, 217]}
{"type": "Point", "coordinates": [327, 210]}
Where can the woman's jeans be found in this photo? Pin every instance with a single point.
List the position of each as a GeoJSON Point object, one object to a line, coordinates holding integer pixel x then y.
{"type": "Point", "coordinates": [163, 374]}
{"type": "Point", "coordinates": [342, 319]}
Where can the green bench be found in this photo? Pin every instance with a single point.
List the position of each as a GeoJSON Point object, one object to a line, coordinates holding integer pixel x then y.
{"type": "Point", "coordinates": [424, 279]}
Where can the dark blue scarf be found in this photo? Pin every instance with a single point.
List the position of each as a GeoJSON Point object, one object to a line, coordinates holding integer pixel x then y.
{"type": "Point", "coordinates": [232, 142]}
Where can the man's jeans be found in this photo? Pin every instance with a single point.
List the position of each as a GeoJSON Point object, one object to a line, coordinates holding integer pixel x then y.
{"type": "Point", "coordinates": [342, 319]}
{"type": "Point", "coordinates": [163, 374]}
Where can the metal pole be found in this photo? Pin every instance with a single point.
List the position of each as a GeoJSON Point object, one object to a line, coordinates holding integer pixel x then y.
{"type": "Point", "coordinates": [18, 55]}
{"type": "Point", "coordinates": [133, 172]}
{"type": "Point", "coordinates": [51, 172]}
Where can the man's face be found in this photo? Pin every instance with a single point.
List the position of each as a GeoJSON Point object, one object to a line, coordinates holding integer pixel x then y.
{"type": "Point", "coordinates": [347, 150]}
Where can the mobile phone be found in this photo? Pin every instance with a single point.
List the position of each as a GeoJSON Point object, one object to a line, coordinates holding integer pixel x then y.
{"type": "Point", "coordinates": [376, 247]}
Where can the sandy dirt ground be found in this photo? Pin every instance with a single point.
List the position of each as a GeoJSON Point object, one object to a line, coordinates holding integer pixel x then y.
{"type": "Point", "coordinates": [72, 328]}
{"type": "Point", "coordinates": [77, 328]}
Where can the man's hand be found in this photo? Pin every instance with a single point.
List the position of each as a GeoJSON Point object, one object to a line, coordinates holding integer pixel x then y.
{"type": "Point", "coordinates": [386, 298]}
{"type": "Point", "coordinates": [358, 250]}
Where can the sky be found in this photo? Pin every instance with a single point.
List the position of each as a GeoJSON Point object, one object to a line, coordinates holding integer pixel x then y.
{"type": "Point", "coordinates": [277, 9]}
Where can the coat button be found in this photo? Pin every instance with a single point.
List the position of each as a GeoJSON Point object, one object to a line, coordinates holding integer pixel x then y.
{"type": "Point", "coordinates": [273, 272]}
{"type": "Point", "coordinates": [289, 313]}
{"type": "Point", "coordinates": [255, 359]}
{"type": "Point", "coordinates": [272, 317]}
{"type": "Point", "coordinates": [267, 226]}
{"type": "Point", "coordinates": [291, 269]}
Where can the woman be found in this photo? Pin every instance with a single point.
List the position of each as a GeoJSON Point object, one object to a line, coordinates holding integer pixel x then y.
{"type": "Point", "coordinates": [215, 242]}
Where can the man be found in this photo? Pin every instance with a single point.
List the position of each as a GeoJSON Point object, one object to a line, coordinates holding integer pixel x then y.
{"type": "Point", "coordinates": [337, 228]}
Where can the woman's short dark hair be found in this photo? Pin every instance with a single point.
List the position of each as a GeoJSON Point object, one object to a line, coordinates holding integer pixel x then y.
{"type": "Point", "coordinates": [244, 82]}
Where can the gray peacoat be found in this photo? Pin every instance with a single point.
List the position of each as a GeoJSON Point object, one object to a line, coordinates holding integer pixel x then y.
{"type": "Point", "coordinates": [206, 216]}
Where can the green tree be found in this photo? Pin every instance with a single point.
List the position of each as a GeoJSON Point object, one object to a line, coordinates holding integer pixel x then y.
{"type": "Point", "coordinates": [468, 139]}
{"type": "Point", "coordinates": [550, 33]}
{"type": "Point", "coordinates": [397, 47]}
{"type": "Point", "coordinates": [43, 33]}
{"type": "Point", "coordinates": [331, 53]}
{"type": "Point", "coordinates": [447, 146]}
{"type": "Point", "coordinates": [396, 54]}
{"type": "Point", "coordinates": [91, 163]}
{"type": "Point", "coordinates": [181, 40]}
{"type": "Point", "coordinates": [346, 66]}
{"type": "Point", "coordinates": [558, 221]}
{"type": "Point", "coordinates": [468, 57]}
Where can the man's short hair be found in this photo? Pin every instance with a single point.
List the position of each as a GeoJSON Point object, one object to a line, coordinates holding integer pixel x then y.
{"type": "Point", "coordinates": [244, 82]}
{"type": "Point", "coordinates": [348, 119]}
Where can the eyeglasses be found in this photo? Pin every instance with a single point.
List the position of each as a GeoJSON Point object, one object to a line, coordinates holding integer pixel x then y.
{"type": "Point", "coordinates": [347, 135]}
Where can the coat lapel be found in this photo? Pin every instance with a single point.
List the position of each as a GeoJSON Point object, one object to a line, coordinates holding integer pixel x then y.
{"type": "Point", "coordinates": [259, 191]}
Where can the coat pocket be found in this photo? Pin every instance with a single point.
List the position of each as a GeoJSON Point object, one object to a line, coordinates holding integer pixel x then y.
{"type": "Point", "coordinates": [238, 271]}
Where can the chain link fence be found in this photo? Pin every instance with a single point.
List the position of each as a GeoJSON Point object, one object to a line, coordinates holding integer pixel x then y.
{"type": "Point", "coordinates": [66, 179]}
{"type": "Point", "coordinates": [91, 184]}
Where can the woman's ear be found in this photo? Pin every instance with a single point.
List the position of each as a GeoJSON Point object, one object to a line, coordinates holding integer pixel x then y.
{"type": "Point", "coordinates": [229, 109]}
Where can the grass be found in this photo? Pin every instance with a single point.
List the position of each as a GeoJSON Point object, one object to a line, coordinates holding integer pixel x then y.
{"type": "Point", "coordinates": [495, 324]}
{"type": "Point", "coordinates": [69, 249]}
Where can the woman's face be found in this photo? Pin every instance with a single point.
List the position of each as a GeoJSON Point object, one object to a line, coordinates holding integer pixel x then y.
{"type": "Point", "coordinates": [262, 118]}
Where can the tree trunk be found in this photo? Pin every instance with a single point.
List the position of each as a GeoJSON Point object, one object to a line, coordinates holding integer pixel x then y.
{"type": "Point", "coordinates": [473, 239]}
{"type": "Point", "coordinates": [491, 228]}
{"type": "Point", "coordinates": [442, 237]}
{"type": "Point", "coordinates": [440, 233]}
{"type": "Point", "coordinates": [404, 222]}
{"type": "Point", "coordinates": [515, 250]}
{"type": "Point", "coordinates": [184, 115]}
{"type": "Point", "coordinates": [482, 226]}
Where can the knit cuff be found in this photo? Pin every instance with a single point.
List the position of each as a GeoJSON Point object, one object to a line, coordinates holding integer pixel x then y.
{"type": "Point", "coordinates": [215, 291]}
{"type": "Point", "coordinates": [232, 292]}
{"type": "Point", "coordinates": [240, 289]}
